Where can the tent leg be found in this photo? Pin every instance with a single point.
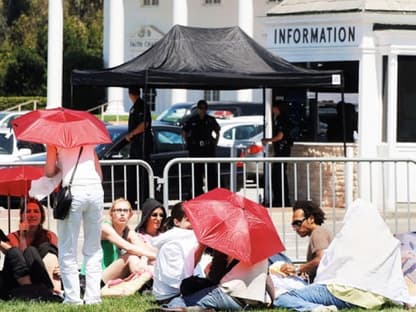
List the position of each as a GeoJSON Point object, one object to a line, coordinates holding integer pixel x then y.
{"type": "Point", "coordinates": [344, 130]}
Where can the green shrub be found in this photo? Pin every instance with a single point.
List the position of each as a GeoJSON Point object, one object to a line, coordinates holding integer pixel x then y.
{"type": "Point", "coordinates": [7, 102]}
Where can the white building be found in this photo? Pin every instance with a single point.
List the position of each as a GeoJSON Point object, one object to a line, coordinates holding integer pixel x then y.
{"type": "Point", "coordinates": [132, 26]}
{"type": "Point", "coordinates": [374, 42]}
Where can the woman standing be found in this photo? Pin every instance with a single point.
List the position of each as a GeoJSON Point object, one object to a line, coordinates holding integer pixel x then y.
{"type": "Point", "coordinates": [87, 205]}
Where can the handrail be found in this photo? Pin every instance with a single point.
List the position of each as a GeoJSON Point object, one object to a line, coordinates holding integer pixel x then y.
{"type": "Point", "coordinates": [19, 106]}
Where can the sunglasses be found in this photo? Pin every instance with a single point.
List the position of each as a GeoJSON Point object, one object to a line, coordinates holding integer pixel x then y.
{"type": "Point", "coordinates": [121, 210]}
{"type": "Point", "coordinates": [155, 215]}
{"type": "Point", "coordinates": [298, 223]}
{"type": "Point", "coordinates": [203, 107]}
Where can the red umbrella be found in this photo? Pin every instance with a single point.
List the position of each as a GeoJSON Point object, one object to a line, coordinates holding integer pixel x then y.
{"type": "Point", "coordinates": [16, 181]}
{"type": "Point", "coordinates": [233, 225]}
{"type": "Point", "coordinates": [61, 127]}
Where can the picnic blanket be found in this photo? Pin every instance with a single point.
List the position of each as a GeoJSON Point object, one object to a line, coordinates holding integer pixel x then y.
{"type": "Point", "coordinates": [365, 255]}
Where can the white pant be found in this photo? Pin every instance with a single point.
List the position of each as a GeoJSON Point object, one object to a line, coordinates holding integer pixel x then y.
{"type": "Point", "coordinates": [87, 205]}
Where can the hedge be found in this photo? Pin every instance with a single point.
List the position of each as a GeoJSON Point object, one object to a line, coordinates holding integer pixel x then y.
{"type": "Point", "coordinates": [7, 102]}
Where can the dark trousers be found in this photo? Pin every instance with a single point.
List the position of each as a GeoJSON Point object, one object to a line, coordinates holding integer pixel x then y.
{"type": "Point", "coordinates": [134, 196]}
{"type": "Point", "coordinates": [199, 169]}
{"type": "Point", "coordinates": [18, 264]}
{"type": "Point", "coordinates": [143, 178]}
{"type": "Point", "coordinates": [280, 191]}
{"type": "Point", "coordinates": [278, 194]}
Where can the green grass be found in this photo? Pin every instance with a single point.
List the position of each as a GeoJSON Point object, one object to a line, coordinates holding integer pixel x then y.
{"type": "Point", "coordinates": [132, 303]}
{"type": "Point", "coordinates": [121, 118]}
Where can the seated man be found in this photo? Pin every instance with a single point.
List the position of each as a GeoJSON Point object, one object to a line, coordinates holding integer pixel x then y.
{"type": "Point", "coordinates": [360, 269]}
{"type": "Point", "coordinates": [234, 286]}
{"type": "Point", "coordinates": [306, 221]}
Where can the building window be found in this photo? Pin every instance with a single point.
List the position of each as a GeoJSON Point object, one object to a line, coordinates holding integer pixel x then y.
{"type": "Point", "coordinates": [212, 95]}
{"type": "Point", "coordinates": [406, 99]}
{"type": "Point", "coordinates": [210, 2]}
{"type": "Point", "coordinates": [150, 2]}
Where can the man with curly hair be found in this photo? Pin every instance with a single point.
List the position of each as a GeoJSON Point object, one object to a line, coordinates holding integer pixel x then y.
{"type": "Point", "coordinates": [307, 219]}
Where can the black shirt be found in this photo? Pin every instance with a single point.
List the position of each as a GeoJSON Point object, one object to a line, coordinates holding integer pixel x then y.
{"type": "Point", "coordinates": [200, 130]}
{"type": "Point", "coordinates": [137, 115]}
{"type": "Point", "coordinates": [282, 147]}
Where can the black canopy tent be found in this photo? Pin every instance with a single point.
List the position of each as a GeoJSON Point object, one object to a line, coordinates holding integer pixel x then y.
{"type": "Point", "coordinates": [209, 59]}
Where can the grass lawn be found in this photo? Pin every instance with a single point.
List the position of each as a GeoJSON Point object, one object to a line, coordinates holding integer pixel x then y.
{"type": "Point", "coordinates": [132, 303]}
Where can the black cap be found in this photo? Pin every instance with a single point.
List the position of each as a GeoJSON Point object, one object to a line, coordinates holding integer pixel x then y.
{"type": "Point", "coordinates": [202, 103]}
{"type": "Point", "coordinates": [148, 206]}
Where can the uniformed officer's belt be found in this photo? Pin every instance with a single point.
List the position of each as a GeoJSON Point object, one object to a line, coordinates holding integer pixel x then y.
{"type": "Point", "coordinates": [201, 143]}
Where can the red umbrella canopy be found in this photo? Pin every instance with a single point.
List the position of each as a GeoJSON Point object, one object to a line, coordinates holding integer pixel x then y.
{"type": "Point", "coordinates": [61, 127]}
{"type": "Point", "coordinates": [234, 225]}
{"type": "Point", "coordinates": [16, 181]}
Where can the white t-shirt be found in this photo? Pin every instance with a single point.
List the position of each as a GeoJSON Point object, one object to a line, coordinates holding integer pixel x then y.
{"type": "Point", "coordinates": [85, 174]}
{"type": "Point", "coordinates": [174, 261]}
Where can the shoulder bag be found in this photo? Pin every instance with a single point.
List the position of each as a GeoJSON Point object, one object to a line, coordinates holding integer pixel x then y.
{"type": "Point", "coordinates": [63, 198]}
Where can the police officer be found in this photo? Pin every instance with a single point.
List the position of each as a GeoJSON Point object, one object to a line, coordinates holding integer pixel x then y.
{"type": "Point", "coordinates": [140, 137]}
{"type": "Point", "coordinates": [198, 134]}
{"type": "Point", "coordinates": [282, 143]}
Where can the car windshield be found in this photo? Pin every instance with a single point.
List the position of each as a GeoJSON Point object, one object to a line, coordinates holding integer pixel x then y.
{"type": "Point", "coordinates": [242, 132]}
{"type": "Point", "coordinates": [6, 143]}
{"type": "Point", "coordinates": [115, 133]}
{"type": "Point", "coordinates": [173, 114]}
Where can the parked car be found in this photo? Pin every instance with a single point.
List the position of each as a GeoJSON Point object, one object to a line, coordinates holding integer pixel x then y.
{"type": "Point", "coordinates": [238, 130]}
{"type": "Point", "coordinates": [12, 150]}
{"type": "Point", "coordinates": [178, 113]}
{"type": "Point", "coordinates": [168, 144]}
{"type": "Point", "coordinates": [6, 117]}
{"type": "Point", "coordinates": [244, 135]}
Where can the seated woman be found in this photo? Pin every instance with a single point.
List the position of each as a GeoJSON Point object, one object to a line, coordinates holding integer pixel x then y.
{"type": "Point", "coordinates": [178, 253]}
{"type": "Point", "coordinates": [43, 242]}
{"type": "Point", "coordinates": [123, 252]}
{"type": "Point", "coordinates": [24, 275]}
{"type": "Point", "coordinates": [153, 216]}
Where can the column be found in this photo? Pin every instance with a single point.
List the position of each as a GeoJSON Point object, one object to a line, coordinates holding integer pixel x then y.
{"type": "Point", "coordinates": [390, 177]}
{"type": "Point", "coordinates": [113, 50]}
{"type": "Point", "coordinates": [179, 17]}
{"type": "Point", "coordinates": [392, 105]}
{"type": "Point", "coordinates": [245, 22]}
{"type": "Point", "coordinates": [55, 53]}
{"type": "Point", "coordinates": [370, 108]}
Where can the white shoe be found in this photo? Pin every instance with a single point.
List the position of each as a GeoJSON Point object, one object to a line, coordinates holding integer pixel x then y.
{"type": "Point", "coordinates": [324, 308]}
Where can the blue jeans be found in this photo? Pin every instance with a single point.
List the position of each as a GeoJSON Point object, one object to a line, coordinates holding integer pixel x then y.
{"type": "Point", "coordinates": [211, 297]}
{"type": "Point", "coordinates": [309, 298]}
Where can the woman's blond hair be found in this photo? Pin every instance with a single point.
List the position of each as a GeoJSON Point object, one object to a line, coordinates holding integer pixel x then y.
{"type": "Point", "coordinates": [119, 200]}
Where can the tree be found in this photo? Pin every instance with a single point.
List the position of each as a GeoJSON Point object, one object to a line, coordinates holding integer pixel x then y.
{"type": "Point", "coordinates": [24, 42]}
{"type": "Point", "coordinates": [24, 74]}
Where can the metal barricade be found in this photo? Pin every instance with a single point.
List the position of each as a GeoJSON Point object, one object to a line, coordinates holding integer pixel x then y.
{"type": "Point", "coordinates": [114, 183]}
{"type": "Point", "coordinates": [333, 182]}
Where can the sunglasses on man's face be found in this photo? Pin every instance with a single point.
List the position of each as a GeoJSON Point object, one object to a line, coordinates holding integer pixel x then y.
{"type": "Point", "coordinates": [202, 107]}
{"type": "Point", "coordinates": [298, 223]}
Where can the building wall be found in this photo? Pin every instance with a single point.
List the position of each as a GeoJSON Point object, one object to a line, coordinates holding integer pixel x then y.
{"type": "Point", "coordinates": [331, 175]}
{"type": "Point", "coordinates": [138, 16]}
